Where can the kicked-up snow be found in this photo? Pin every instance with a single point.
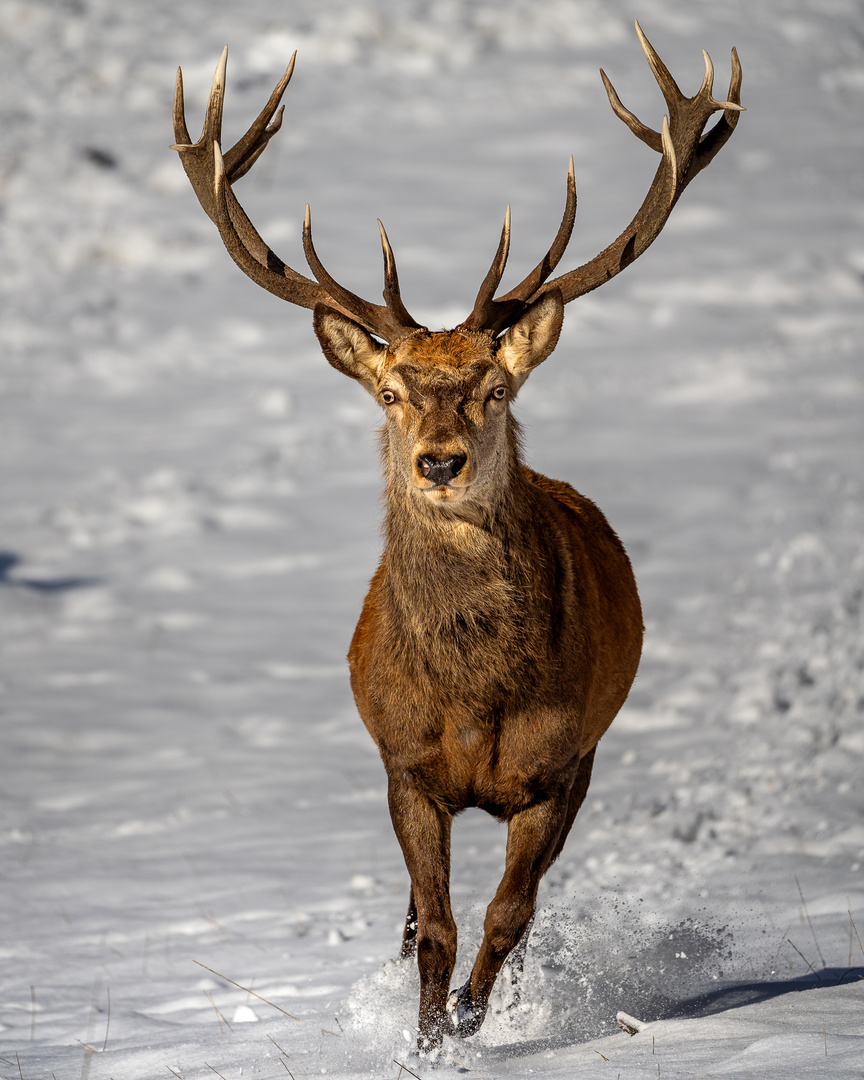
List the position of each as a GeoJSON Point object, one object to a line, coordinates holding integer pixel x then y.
{"type": "Point", "coordinates": [198, 870]}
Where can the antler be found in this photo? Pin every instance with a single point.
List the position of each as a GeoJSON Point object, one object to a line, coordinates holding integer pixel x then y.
{"type": "Point", "coordinates": [686, 151]}
{"type": "Point", "coordinates": [212, 177]}
{"type": "Point", "coordinates": [685, 147]}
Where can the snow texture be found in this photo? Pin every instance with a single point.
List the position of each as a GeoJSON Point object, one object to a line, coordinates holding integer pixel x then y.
{"type": "Point", "coordinates": [190, 514]}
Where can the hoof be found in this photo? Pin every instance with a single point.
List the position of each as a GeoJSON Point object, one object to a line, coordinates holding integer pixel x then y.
{"type": "Point", "coordinates": [466, 1015]}
{"type": "Point", "coordinates": [428, 1051]}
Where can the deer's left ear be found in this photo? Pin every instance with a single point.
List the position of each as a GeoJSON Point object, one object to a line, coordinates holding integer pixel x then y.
{"type": "Point", "coordinates": [530, 340]}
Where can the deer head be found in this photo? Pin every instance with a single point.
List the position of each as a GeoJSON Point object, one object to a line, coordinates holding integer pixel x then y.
{"type": "Point", "coordinates": [449, 434]}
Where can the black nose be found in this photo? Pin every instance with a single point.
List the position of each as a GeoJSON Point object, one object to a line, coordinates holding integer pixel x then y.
{"type": "Point", "coordinates": [443, 471]}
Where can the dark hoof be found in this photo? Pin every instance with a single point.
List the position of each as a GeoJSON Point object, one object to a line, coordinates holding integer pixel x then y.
{"type": "Point", "coordinates": [428, 1051]}
{"type": "Point", "coordinates": [466, 1015]}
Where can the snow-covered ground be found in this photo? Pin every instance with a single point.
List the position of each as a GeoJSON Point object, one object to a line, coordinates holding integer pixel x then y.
{"type": "Point", "coordinates": [190, 513]}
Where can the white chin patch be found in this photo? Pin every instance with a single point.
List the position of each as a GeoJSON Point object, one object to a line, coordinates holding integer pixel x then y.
{"type": "Point", "coordinates": [444, 494]}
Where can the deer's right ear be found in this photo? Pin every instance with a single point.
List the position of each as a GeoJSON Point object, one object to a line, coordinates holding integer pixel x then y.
{"type": "Point", "coordinates": [348, 347]}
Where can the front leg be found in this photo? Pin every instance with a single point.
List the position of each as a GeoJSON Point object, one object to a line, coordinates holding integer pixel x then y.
{"type": "Point", "coordinates": [534, 838]}
{"type": "Point", "coordinates": [423, 831]}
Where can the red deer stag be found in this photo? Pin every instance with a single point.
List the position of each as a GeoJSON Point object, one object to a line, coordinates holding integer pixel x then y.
{"type": "Point", "coordinates": [502, 629]}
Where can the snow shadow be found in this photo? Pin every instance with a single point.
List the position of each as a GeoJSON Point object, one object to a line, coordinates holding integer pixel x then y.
{"type": "Point", "coordinates": [735, 994]}
{"type": "Point", "coordinates": [8, 563]}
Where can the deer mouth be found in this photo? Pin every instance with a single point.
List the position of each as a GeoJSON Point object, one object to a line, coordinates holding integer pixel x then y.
{"type": "Point", "coordinates": [444, 493]}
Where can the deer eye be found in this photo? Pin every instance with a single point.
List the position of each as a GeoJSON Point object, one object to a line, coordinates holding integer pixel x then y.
{"type": "Point", "coordinates": [499, 393]}
{"type": "Point", "coordinates": [388, 397]}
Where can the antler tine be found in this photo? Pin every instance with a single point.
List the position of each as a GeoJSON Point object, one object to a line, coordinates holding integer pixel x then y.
{"type": "Point", "coordinates": [246, 151]}
{"type": "Point", "coordinates": [392, 294]}
{"type": "Point", "coordinates": [640, 130]}
{"type": "Point", "coordinates": [346, 298]}
{"type": "Point", "coordinates": [667, 84]}
{"type": "Point", "coordinates": [213, 116]}
{"type": "Point", "coordinates": [181, 132]}
{"type": "Point", "coordinates": [707, 86]}
{"type": "Point", "coordinates": [734, 94]}
{"type": "Point", "coordinates": [483, 305]}
{"type": "Point", "coordinates": [671, 157]}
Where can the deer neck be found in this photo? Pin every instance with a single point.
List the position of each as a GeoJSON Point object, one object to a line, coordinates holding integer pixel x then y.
{"type": "Point", "coordinates": [466, 567]}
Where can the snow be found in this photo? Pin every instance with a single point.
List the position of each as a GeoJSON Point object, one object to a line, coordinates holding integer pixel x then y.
{"type": "Point", "coordinates": [190, 518]}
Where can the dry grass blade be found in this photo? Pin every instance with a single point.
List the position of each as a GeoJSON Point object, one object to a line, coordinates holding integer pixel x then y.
{"type": "Point", "coordinates": [210, 1067]}
{"type": "Point", "coordinates": [18, 1063]}
{"type": "Point", "coordinates": [405, 1067]}
{"type": "Point", "coordinates": [780, 946]}
{"type": "Point", "coordinates": [281, 1049]}
{"type": "Point", "coordinates": [248, 991]}
{"type": "Point", "coordinates": [809, 921]}
{"type": "Point", "coordinates": [87, 1043]}
{"type": "Point", "coordinates": [282, 1060]}
{"type": "Point", "coordinates": [173, 1072]}
{"type": "Point", "coordinates": [804, 958]}
{"type": "Point", "coordinates": [855, 928]}
{"type": "Point", "coordinates": [107, 1018]}
{"type": "Point", "coordinates": [220, 1017]}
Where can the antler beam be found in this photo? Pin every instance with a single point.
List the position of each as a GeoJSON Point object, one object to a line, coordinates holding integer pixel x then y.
{"type": "Point", "coordinates": [686, 151]}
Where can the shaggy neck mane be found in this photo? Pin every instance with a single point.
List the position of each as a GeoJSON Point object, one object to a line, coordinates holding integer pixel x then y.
{"type": "Point", "coordinates": [459, 574]}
